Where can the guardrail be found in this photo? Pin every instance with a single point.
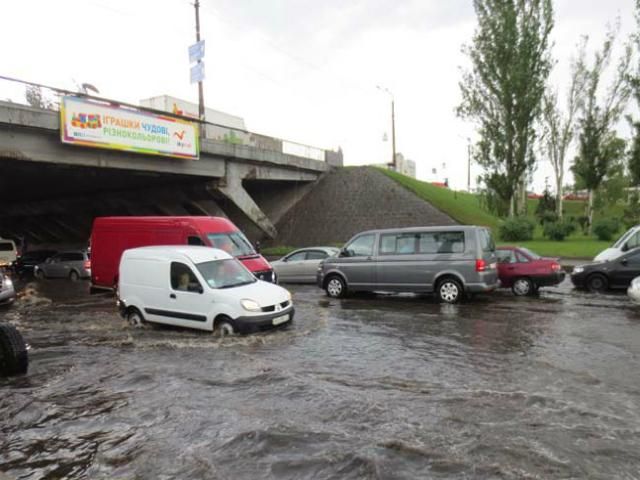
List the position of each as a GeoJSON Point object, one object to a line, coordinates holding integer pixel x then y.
{"type": "Point", "coordinates": [46, 97]}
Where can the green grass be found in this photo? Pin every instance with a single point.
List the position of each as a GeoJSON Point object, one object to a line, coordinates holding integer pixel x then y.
{"type": "Point", "coordinates": [573, 247]}
{"type": "Point", "coordinates": [463, 207]}
{"type": "Point", "coordinates": [277, 251]}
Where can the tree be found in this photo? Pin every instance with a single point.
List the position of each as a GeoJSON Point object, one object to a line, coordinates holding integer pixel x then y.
{"type": "Point", "coordinates": [634, 81]}
{"type": "Point", "coordinates": [34, 96]}
{"type": "Point", "coordinates": [599, 147]}
{"type": "Point", "coordinates": [559, 127]}
{"type": "Point", "coordinates": [503, 91]}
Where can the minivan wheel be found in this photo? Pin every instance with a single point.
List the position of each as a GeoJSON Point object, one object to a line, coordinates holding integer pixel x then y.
{"type": "Point", "coordinates": [73, 276]}
{"type": "Point", "coordinates": [597, 283]}
{"type": "Point", "coordinates": [135, 318]}
{"type": "Point", "coordinates": [14, 359]}
{"type": "Point", "coordinates": [522, 286]}
{"type": "Point", "coordinates": [449, 291]}
{"type": "Point", "coordinates": [335, 287]}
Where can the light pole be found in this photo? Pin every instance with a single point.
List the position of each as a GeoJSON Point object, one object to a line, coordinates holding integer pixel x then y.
{"type": "Point", "coordinates": [393, 125]}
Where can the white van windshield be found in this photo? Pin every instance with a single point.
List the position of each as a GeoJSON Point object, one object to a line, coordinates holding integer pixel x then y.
{"type": "Point", "coordinates": [235, 243]}
{"type": "Point", "coordinates": [225, 273]}
{"type": "Point", "coordinates": [621, 241]}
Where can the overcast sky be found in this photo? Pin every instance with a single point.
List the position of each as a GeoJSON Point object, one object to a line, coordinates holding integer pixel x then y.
{"type": "Point", "coordinates": [304, 70]}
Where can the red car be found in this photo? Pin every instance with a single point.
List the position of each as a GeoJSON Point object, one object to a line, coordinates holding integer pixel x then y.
{"type": "Point", "coordinates": [525, 272]}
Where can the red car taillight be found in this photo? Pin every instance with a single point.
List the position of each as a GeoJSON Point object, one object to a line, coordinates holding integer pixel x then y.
{"type": "Point", "coordinates": [481, 265]}
{"type": "Point", "coordinates": [87, 264]}
{"type": "Point", "coordinates": [555, 267]}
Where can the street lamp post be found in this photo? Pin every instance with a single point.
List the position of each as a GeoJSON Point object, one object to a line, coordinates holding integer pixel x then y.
{"type": "Point", "coordinates": [393, 125]}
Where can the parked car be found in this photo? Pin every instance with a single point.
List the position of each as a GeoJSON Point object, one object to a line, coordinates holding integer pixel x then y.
{"type": "Point", "coordinates": [26, 263]}
{"type": "Point", "coordinates": [73, 265]}
{"type": "Point", "coordinates": [628, 241]}
{"type": "Point", "coordinates": [198, 287]}
{"type": "Point", "coordinates": [111, 236]}
{"type": "Point", "coordinates": [8, 252]}
{"type": "Point", "coordinates": [634, 290]}
{"type": "Point", "coordinates": [601, 276]}
{"type": "Point", "coordinates": [301, 266]}
{"type": "Point", "coordinates": [448, 261]}
{"type": "Point", "coordinates": [525, 271]}
{"type": "Point", "coordinates": [7, 291]}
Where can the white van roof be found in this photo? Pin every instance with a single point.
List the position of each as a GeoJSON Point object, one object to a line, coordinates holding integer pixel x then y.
{"type": "Point", "coordinates": [179, 252]}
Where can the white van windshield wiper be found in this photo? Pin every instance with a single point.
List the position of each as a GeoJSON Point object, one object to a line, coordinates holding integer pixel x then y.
{"type": "Point", "coordinates": [237, 284]}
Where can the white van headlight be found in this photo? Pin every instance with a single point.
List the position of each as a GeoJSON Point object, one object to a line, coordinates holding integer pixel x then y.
{"type": "Point", "coordinates": [578, 269]}
{"type": "Point", "coordinates": [250, 305]}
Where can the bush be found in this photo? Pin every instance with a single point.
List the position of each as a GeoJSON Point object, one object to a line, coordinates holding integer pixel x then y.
{"type": "Point", "coordinates": [547, 217]}
{"type": "Point", "coordinates": [516, 229]}
{"type": "Point", "coordinates": [605, 229]}
{"type": "Point", "coordinates": [583, 221]}
{"type": "Point", "coordinates": [558, 230]}
{"type": "Point", "coordinates": [631, 216]}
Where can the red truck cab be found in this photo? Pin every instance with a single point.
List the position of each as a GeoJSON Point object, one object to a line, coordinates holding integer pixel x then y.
{"type": "Point", "coordinates": [111, 236]}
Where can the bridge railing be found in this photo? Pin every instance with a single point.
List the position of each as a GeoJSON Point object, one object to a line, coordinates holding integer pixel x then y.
{"type": "Point", "coordinates": [46, 97]}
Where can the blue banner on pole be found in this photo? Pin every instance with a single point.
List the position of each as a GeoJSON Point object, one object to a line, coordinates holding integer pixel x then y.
{"type": "Point", "coordinates": [196, 51]}
{"type": "Point", "coordinates": [197, 72]}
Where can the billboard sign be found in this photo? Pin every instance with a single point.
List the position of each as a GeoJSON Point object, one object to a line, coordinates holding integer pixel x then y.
{"type": "Point", "coordinates": [93, 124]}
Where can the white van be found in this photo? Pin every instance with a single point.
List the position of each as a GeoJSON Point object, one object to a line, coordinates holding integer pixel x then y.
{"type": "Point", "coordinates": [198, 287]}
{"type": "Point", "coordinates": [8, 252]}
{"type": "Point", "coordinates": [630, 239]}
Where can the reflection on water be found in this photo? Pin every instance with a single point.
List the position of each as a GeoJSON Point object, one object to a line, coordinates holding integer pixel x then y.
{"type": "Point", "coordinates": [366, 387]}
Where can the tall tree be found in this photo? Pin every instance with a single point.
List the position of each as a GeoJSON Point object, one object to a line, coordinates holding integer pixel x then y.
{"type": "Point", "coordinates": [503, 91]}
{"type": "Point", "coordinates": [599, 146]}
{"type": "Point", "coordinates": [634, 81]}
{"type": "Point", "coordinates": [34, 97]}
{"type": "Point", "coordinates": [559, 126]}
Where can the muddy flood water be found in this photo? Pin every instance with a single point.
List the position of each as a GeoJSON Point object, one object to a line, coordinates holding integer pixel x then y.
{"type": "Point", "coordinates": [363, 388]}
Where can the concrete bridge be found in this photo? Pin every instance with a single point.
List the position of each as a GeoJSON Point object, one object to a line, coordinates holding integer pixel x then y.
{"type": "Point", "coordinates": [50, 192]}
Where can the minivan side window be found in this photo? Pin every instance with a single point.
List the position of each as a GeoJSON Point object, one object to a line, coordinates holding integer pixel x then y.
{"type": "Point", "coordinates": [362, 246]}
{"type": "Point", "coordinates": [441, 242]}
{"type": "Point", "coordinates": [183, 278]}
{"type": "Point", "coordinates": [398, 244]}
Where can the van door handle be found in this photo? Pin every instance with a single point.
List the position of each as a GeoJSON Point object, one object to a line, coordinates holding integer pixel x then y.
{"type": "Point", "coordinates": [173, 295]}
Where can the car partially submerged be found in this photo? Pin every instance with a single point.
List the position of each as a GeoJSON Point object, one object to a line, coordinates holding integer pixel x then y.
{"type": "Point", "coordinates": [7, 290]}
{"type": "Point", "coordinates": [525, 271]}
{"type": "Point", "coordinates": [198, 287]}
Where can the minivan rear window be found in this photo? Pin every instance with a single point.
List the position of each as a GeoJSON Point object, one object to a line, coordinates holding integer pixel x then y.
{"type": "Point", "coordinates": [6, 247]}
{"type": "Point", "coordinates": [486, 241]}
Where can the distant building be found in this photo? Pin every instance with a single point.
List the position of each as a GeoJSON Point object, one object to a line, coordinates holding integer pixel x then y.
{"type": "Point", "coordinates": [405, 166]}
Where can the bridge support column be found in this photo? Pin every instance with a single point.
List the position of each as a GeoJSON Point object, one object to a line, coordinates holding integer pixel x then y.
{"type": "Point", "coordinates": [231, 187]}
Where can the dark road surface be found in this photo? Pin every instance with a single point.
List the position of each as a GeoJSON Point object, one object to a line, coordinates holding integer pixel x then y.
{"type": "Point", "coordinates": [368, 387]}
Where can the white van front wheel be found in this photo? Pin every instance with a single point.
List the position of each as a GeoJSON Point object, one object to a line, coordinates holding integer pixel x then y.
{"type": "Point", "coordinates": [224, 327]}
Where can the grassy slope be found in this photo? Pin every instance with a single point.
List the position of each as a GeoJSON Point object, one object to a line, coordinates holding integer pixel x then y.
{"type": "Point", "coordinates": [461, 206]}
{"type": "Point", "coordinates": [466, 208]}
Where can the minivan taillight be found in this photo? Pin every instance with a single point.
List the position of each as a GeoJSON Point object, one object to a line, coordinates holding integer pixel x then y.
{"type": "Point", "coordinates": [87, 264]}
{"type": "Point", "coordinates": [481, 265]}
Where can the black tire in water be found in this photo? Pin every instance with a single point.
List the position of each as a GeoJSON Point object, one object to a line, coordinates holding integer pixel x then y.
{"type": "Point", "coordinates": [597, 283]}
{"type": "Point", "coordinates": [14, 359]}
{"type": "Point", "coordinates": [449, 290]}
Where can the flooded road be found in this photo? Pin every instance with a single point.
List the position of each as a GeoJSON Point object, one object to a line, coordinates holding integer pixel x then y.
{"type": "Point", "coordinates": [367, 387]}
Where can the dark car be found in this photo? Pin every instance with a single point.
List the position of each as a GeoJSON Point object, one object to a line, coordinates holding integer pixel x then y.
{"type": "Point", "coordinates": [25, 264]}
{"type": "Point", "coordinates": [613, 274]}
{"type": "Point", "coordinates": [525, 271]}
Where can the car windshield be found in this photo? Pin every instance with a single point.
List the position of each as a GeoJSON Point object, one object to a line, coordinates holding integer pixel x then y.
{"type": "Point", "coordinates": [530, 254]}
{"type": "Point", "coordinates": [234, 243]}
{"type": "Point", "coordinates": [225, 273]}
{"type": "Point", "coordinates": [624, 237]}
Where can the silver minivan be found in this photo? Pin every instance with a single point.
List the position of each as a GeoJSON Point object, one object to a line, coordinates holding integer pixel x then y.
{"type": "Point", "coordinates": [448, 261]}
